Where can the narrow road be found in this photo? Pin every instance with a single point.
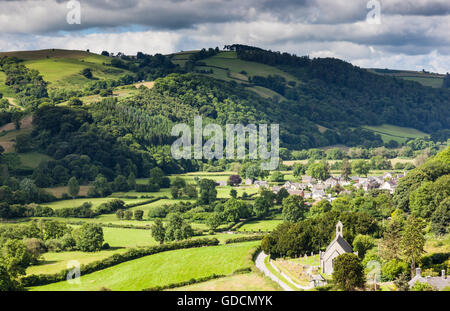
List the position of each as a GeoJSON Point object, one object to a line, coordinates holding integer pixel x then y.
{"type": "Point", "coordinates": [259, 262]}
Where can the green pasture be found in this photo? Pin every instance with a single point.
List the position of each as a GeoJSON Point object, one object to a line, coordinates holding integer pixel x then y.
{"type": "Point", "coordinates": [163, 268]}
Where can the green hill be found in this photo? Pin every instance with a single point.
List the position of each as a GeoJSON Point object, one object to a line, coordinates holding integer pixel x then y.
{"type": "Point", "coordinates": [62, 68]}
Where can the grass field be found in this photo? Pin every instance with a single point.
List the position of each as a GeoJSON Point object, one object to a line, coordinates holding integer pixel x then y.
{"type": "Point", "coordinates": [118, 238]}
{"type": "Point", "coordinates": [229, 60]}
{"type": "Point", "coordinates": [55, 262]}
{"type": "Point", "coordinates": [33, 159]}
{"type": "Point", "coordinates": [241, 282]}
{"type": "Point", "coordinates": [391, 132]}
{"type": "Point", "coordinates": [61, 68]}
{"type": "Point", "coordinates": [163, 268]}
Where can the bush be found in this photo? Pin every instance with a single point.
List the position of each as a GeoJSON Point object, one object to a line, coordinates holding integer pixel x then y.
{"type": "Point", "coordinates": [393, 268]}
{"type": "Point", "coordinates": [244, 239]}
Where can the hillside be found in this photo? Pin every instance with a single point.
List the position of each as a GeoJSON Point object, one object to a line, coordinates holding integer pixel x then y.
{"type": "Point", "coordinates": [317, 102]}
{"type": "Point", "coordinates": [62, 68]}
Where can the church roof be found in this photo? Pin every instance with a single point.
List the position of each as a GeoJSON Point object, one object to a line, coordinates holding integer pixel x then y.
{"type": "Point", "coordinates": [342, 243]}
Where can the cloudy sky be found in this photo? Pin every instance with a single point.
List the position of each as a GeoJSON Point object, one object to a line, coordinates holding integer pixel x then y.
{"type": "Point", "coordinates": [411, 34]}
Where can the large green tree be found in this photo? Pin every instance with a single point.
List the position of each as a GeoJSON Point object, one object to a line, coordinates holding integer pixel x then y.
{"type": "Point", "coordinates": [348, 272]}
{"type": "Point", "coordinates": [413, 241]}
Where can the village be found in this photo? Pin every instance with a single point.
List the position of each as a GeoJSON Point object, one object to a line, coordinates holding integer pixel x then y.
{"type": "Point", "coordinates": [316, 190]}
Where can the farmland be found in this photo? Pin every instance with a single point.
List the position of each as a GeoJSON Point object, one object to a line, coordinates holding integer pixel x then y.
{"type": "Point", "coordinates": [164, 268]}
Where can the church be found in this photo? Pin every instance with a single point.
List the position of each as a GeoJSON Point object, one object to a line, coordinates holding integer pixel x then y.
{"type": "Point", "coordinates": [337, 247]}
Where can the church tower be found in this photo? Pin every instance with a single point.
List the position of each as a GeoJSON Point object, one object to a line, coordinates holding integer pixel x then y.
{"type": "Point", "coordinates": [339, 227]}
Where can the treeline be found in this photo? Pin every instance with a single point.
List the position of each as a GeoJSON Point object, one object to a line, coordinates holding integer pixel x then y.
{"type": "Point", "coordinates": [294, 239]}
{"type": "Point", "coordinates": [147, 67]}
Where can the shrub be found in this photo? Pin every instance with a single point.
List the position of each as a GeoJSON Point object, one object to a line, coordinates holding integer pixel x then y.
{"type": "Point", "coordinates": [393, 268]}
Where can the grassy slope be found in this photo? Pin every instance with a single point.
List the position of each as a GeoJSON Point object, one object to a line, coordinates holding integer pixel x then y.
{"type": "Point", "coordinates": [61, 68]}
{"type": "Point", "coordinates": [397, 133]}
{"type": "Point", "coordinates": [118, 238]}
{"type": "Point", "coordinates": [164, 268]}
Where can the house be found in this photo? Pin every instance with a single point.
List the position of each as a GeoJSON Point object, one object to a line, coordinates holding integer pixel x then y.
{"type": "Point", "coordinates": [308, 179]}
{"type": "Point", "coordinates": [248, 182]}
{"type": "Point", "coordinates": [318, 194]}
{"type": "Point", "coordinates": [296, 192]}
{"type": "Point", "coordinates": [389, 185]}
{"type": "Point", "coordinates": [275, 189]}
{"type": "Point", "coordinates": [387, 176]}
{"type": "Point", "coordinates": [261, 183]}
{"type": "Point", "coordinates": [331, 182]}
{"type": "Point", "coordinates": [221, 183]}
{"type": "Point", "coordinates": [438, 282]}
{"type": "Point", "coordinates": [337, 247]}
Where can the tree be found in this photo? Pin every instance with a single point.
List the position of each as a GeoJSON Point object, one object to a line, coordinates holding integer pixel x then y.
{"type": "Point", "coordinates": [421, 200]}
{"type": "Point", "coordinates": [157, 177]}
{"type": "Point", "coordinates": [348, 272]}
{"type": "Point", "coordinates": [177, 228]}
{"type": "Point", "coordinates": [73, 187]}
{"type": "Point", "coordinates": [294, 208]}
{"type": "Point", "coordinates": [120, 214]}
{"type": "Point", "coordinates": [440, 220]}
{"type": "Point", "coordinates": [89, 238]}
{"type": "Point", "coordinates": [121, 183]}
{"type": "Point", "coordinates": [87, 73]}
{"type": "Point", "coordinates": [131, 181]}
{"type": "Point", "coordinates": [214, 220]}
{"type": "Point", "coordinates": [389, 246]}
{"type": "Point", "coordinates": [413, 241]}
{"type": "Point", "coordinates": [401, 283]}
{"type": "Point", "coordinates": [233, 193]}
{"type": "Point", "coordinates": [299, 170]}
{"type": "Point", "coordinates": [261, 207]}
{"type": "Point", "coordinates": [74, 101]}
{"type": "Point", "coordinates": [234, 180]}
{"type": "Point", "coordinates": [281, 194]}
{"type": "Point", "coordinates": [277, 176]}
{"type": "Point", "coordinates": [128, 215]}
{"type": "Point", "coordinates": [158, 231]}
{"type": "Point", "coordinates": [319, 170]}
{"type": "Point", "coordinates": [234, 210]}
{"type": "Point", "coordinates": [361, 167]}
{"type": "Point", "coordinates": [15, 257]}
{"type": "Point", "coordinates": [179, 182]}
{"type": "Point", "coordinates": [362, 243]}
{"type": "Point", "coordinates": [320, 207]}
{"type": "Point", "coordinates": [208, 192]}
{"type": "Point", "coordinates": [190, 191]}
{"type": "Point", "coordinates": [138, 214]}
{"type": "Point", "coordinates": [346, 169]}
{"type": "Point", "coordinates": [175, 192]}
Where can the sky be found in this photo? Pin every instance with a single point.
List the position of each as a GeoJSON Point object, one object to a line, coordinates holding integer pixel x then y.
{"type": "Point", "coordinates": [397, 34]}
